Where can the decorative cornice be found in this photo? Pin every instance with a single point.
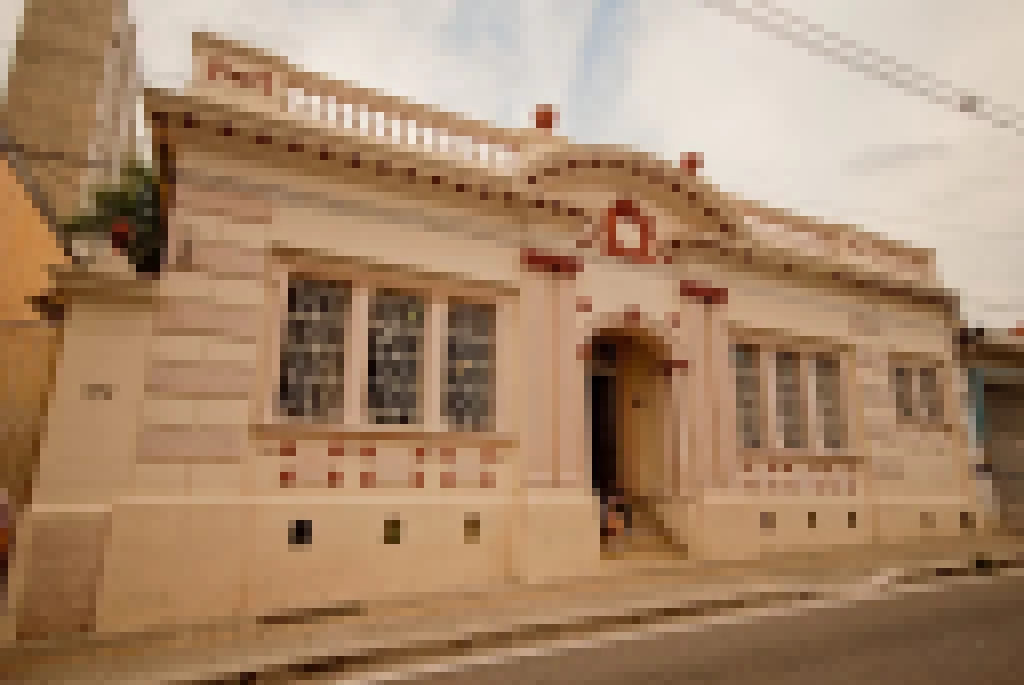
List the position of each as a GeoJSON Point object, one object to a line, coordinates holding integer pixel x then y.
{"type": "Point", "coordinates": [341, 151]}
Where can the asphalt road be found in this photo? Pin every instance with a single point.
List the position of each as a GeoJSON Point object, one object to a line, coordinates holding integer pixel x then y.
{"type": "Point", "coordinates": [969, 634]}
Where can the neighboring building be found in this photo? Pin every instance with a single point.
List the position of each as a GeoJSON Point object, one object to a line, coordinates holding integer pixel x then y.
{"type": "Point", "coordinates": [995, 360]}
{"type": "Point", "coordinates": [67, 122]}
{"type": "Point", "coordinates": [396, 350]}
{"type": "Point", "coordinates": [72, 95]}
{"type": "Point", "coordinates": [28, 343]}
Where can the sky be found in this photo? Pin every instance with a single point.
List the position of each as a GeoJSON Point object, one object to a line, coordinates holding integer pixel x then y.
{"type": "Point", "coordinates": [774, 123]}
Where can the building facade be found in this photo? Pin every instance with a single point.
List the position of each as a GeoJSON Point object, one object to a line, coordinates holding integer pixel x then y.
{"type": "Point", "coordinates": [397, 350]}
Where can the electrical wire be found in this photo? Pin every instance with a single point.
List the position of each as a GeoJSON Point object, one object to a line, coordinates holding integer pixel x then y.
{"type": "Point", "coordinates": [819, 41]}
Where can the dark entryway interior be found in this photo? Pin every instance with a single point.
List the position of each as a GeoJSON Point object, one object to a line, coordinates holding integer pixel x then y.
{"type": "Point", "coordinates": [604, 418]}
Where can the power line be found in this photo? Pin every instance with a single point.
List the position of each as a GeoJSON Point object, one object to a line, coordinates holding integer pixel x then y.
{"type": "Point", "coordinates": [819, 41]}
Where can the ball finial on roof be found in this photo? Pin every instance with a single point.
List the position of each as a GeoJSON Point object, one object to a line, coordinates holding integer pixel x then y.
{"type": "Point", "coordinates": [545, 117]}
{"type": "Point", "coordinates": [691, 162]}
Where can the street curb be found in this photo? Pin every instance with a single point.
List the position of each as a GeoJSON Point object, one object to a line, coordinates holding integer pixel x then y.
{"type": "Point", "coordinates": [411, 639]}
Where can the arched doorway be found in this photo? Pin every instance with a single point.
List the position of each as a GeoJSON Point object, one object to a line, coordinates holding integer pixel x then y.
{"type": "Point", "coordinates": [628, 400]}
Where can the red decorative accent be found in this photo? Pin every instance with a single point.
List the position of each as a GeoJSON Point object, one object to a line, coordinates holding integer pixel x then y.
{"type": "Point", "coordinates": [447, 455]}
{"type": "Point", "coordinates": [545, 117]}
{"type": "Point", "coordinates": [488, 480]}
{"type": "Point", "coordinates": [550, 263]}
{"type": "Point", "coordinates": [703, 292]}
{"type": "Point", "coordinates": [626, 209]}
{"type": "Point", "coordinates": [417, 479]}
{"type": "Point", "coordinates": [246, 79]}
{"type": "Point", "coordinates": [287, 449]}
{"type": "Point", "coordinates": [287, 479]}
{"type": "Point", "coordinates": [421, 453]}
{"type": "Point", "coordinates": [670, 366]}
{"type": "Point", "coordinates": [788, 468]}
{"type": "Point", "coordinates": [367, 451]}
{"type": "Point", "coordinates": [335, 479]}
{"type": "Point", "coordinates": [368, 479]}
{"type": "Point", "coordinates": [691, 162]}
{"type": "Point", "coordinates": [584, 304]}
{"type": "Point", "coordinates": [488, 455]}
{"type": "Point", "coordinates": [448, 479]}
{"type": "Point", "coordinates": [771, 468]}
{"type": "Point", "coordinates": [335, 449]}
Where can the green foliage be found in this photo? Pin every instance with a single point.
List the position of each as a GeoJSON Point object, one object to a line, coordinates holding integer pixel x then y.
{"type": "Point", "coordinates": [136, 201]}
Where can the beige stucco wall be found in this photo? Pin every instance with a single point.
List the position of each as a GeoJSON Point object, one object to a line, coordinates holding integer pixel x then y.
{"type": "Point", "coordinates": [198, 525]}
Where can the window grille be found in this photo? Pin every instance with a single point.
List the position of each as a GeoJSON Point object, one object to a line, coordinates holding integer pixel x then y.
{"type": "Point", "coordinates": [787, 369]}
{"type": "Point", "coordinates": [395, 357]}
{"type": "Point", "coordinates": [313, 349]}
{"type": "Point", "coordinates": [469, 378]}
{"type": "Point", "coordinates": [748, 395]}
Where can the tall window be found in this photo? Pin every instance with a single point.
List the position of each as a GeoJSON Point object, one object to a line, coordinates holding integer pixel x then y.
{"type": "Point", "coordinates": [469, 380]}
{"type": "Point", "coordinates": [313, 349]}
{"type": "Point", "coordinates": [788, 399]}
{"type": "Point", "coordinates": [784, 398]}
{"type": "Point", "coordinates": [395, 357]}
{"type": "Point", "coordinates": [827, 396]}
{"type": "Point", "coordinates": [917, 391]}
{"type": "Point", "coordinates": [319, 324]}
{"type": "Point", "coordinates": [748, 395]}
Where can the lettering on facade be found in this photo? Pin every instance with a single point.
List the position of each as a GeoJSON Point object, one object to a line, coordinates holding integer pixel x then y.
{"type": "Point", "coordinates": [220, 70]}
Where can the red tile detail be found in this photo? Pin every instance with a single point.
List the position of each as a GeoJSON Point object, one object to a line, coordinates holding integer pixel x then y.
{"type": "Point", "coordinates": [488, 479]}
{"type": "Point", "coordinates": [335, 450]}
{"type": "Point", "coordinates": [367, 451]}
{"type": "Point", "coordinates": [488, 455]}
{"type": "Point", "coordinates": [287, 449]}
{"type": "Point", "coordinates": [287, 479]}
{"type": "Point", "coordinates": [335, 479]}
{"type": "Point", "coordinates": [447, 455]}
{"type": "Point", "coordinates": [771, 468]}
{"type": "Point", "coordinates": [417, 479]}
{"type": "Point", "coordinates": [788, 468]}
{"type": "Point", "coordinates": [448, 479]}
{"type": "Point", "coordinates": [421, 454]}
{"type": "Point", "coordinates": [368, 479]}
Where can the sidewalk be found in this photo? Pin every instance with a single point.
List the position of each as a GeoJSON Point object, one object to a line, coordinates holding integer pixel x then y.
{"type": "Point", "coordinates": [436, 622]}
